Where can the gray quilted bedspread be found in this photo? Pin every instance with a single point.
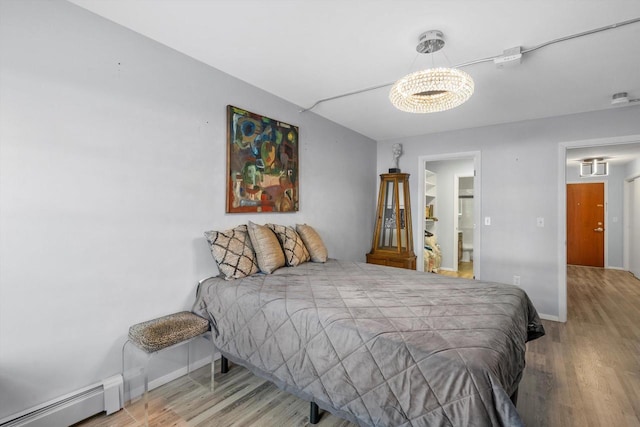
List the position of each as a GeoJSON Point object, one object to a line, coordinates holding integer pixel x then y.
{"type": "Point", "coordinates": [377, 345]}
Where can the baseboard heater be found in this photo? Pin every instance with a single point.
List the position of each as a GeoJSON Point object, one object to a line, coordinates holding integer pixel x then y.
{"type": "Point", "coordinates": [107, 396]}
{"type": "Point", "coordinates": [73, 407]}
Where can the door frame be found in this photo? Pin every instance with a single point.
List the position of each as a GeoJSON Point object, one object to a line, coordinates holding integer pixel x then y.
{"type": "Point", "coordinates": [562, 208]}
{"type": "Point", "coordinates": [606, 213]}
{"type": "Point", "coordinates": [456, 215]}
{"type": "Point", "coordinates": [477, 212]}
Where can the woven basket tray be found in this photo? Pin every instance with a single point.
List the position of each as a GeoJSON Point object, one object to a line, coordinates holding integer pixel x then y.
{"type": "Point", "coordinates": [166, 331]}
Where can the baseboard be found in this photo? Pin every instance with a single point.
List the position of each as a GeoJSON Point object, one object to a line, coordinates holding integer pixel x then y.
{"type": "Point", "coordinates": [549, 317]}
{"type": "Point", "coordinates": [72, 407]}
{"type": "Point", "coordinates": [106, 396]}
{"type": "Point", "coordinates": [615, 268]}
{"type": "Point", "coordinates": [179, 373]}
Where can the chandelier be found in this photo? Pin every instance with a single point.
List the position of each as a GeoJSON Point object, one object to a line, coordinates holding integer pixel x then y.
{"type": "Point", "coordinates": [431, 90]}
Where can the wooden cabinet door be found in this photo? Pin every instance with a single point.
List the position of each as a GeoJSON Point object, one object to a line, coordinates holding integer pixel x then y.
{"type": "Point", "coordinates": [585, 224]}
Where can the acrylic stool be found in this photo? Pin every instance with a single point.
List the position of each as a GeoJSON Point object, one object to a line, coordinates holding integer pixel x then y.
{"type": "Point", "coordinates": [147, 339]}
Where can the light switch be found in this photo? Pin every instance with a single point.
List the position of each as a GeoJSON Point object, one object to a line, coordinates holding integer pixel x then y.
{"type": "Point", "coordinates": [540, 221]}
{"type": "Point", "coordinates": [487, 220]}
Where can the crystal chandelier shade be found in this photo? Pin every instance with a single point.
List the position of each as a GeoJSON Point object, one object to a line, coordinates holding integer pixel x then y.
{"type": "Point", "coordinates": [431, 90]}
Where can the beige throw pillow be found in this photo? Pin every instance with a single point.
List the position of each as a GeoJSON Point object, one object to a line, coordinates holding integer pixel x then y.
{"type": "Point", "coordinates": [295, 252]}
{"type": "Point", "coordinates": [313, 242]}
{"type": "Point", "coordinates": [233, 252]}
{"type": "Point", "coordinates": [268, 251]}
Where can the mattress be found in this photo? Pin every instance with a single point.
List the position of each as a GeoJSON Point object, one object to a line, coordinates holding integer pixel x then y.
{"type": "Point", "coordinates": [376, 345]}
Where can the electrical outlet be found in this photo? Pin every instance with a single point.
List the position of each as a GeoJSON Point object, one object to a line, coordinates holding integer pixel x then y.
{"type": "Point", "coordinates": [516, 280]}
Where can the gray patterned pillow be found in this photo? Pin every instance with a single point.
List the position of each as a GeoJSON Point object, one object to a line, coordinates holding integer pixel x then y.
{"type": "Point", "coordinates": [233, 252]}
{"type": "Point", "coordinates": [313, 242]}
{"type": "Point", "coordinates": [268, 251]}
{"type": "Point", "coordinates": [295, 252]}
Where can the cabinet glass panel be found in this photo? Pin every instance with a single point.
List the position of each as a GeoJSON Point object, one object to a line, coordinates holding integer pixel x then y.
{"type": "Point", "coordinates": [388, 232]}
{"type": "Point", "coordinates": [402, 222]}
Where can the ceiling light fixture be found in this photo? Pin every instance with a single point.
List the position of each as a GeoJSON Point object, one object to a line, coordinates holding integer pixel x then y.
{"type": "Point", "coordinates": [434, 89]}
{"type": "Point", "coordinates": [622, 98]}
{"type": "Point", "coordinates": [594, 167]}
{"type": "Point", "coordinates": [508, 57]}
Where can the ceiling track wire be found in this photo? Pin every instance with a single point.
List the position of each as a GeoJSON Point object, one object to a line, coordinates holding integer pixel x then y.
{"type": "Point", "coordinates": [487, 59]}
{"type": "Point", "coordinates": [584, 33]}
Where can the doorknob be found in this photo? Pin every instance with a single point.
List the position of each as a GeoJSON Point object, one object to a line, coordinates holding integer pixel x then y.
{"type": "Point", "coordinates": [599, 229]}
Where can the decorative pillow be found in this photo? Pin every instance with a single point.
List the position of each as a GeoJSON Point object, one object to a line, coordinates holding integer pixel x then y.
{"type": "Point", "coordinates": [268, 251]}
{"type": "Point", "coordinates": [313, 242]}
{"type": "Point", "coordinates": [295, 252]}
{"type": "Point", "coordinates": [233, 252]}
{"type": "Point", "coordinates": [432, 242]}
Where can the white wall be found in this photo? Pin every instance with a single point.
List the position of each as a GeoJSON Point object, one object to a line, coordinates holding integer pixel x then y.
{"type": "Point", "coordinates": [633, 168]}
{"type": "Point", "coordinates": [633, 213]}
{"type": "Point", "coordinates": [520, 176]}
{"type": "Point", "coordinates": [112, 165]}
{"type": "Point", "coordinates": [634, 227]}
{"type": "Point", "coordinates": [614, 214]}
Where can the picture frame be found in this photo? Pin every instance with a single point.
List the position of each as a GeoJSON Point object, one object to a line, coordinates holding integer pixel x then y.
{"type": "Point", "coordinates": [262, 163]}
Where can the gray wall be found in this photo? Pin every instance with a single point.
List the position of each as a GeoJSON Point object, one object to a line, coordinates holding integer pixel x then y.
{"type": "Point", "coordinates": [520, 180]}
{"type": "Point", "coordinates": [614, 215]}
{"type": "Point", "coordinates": [112, 165]}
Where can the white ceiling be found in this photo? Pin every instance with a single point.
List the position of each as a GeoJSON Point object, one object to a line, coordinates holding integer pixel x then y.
{"type": "Point", "coordinates": [304, 51]}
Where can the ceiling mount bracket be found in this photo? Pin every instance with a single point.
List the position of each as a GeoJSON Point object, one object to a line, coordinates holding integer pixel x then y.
{"type": "Point", "coordinates": [430, 41]}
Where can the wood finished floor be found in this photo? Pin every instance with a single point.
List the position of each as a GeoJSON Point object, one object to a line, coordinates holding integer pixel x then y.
{"type": "Point", "coordinates": [465, 270]}
{"type": "Point", "coordinates": [583, 373]}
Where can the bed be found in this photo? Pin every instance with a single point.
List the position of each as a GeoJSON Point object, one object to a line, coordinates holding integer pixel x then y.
{"type": "Point", "coordinates": [379, 346]}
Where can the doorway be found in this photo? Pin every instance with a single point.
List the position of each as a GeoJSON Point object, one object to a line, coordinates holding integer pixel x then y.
{"type": "Point", "coordinates": [585, 224]}
{"type": "Point", "coordinates": [438, 209]}
{"type": "Point", "coordinates": [620, 151]}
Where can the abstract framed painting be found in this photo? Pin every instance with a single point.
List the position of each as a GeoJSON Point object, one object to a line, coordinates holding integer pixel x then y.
{"type": "Point", "coordinates": [262, 163]}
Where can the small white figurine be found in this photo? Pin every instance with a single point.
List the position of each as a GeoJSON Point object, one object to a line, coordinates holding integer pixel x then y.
{"type": "Point", "coordinates": [397, 152]}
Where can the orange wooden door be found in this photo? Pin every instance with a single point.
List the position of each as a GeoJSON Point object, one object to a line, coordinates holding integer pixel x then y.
{"type": "Point", "coordinates": [585, 224]}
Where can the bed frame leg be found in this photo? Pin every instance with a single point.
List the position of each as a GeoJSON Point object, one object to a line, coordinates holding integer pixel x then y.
{"type": "Point", "coordinates": [224, 365]}
{"type": "Point", "coordinates": [314, 416]}
{"type": "Point", "coordinates": [514, 398]}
